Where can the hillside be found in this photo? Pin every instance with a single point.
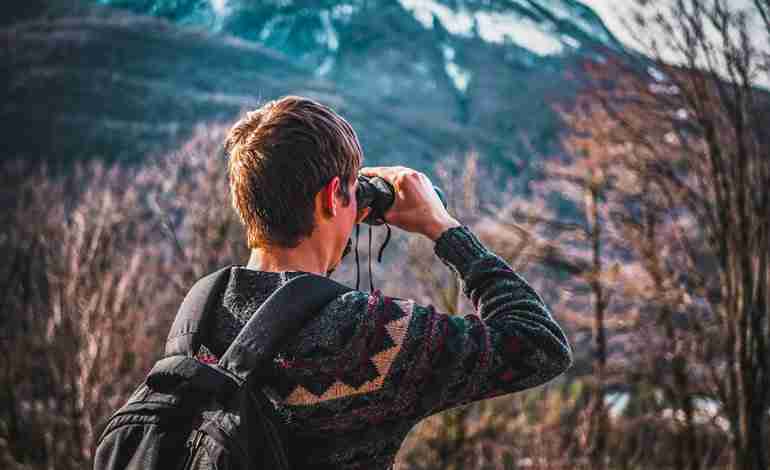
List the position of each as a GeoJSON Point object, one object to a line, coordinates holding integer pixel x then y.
{"type": "Point", "coordinates": [419, 80]}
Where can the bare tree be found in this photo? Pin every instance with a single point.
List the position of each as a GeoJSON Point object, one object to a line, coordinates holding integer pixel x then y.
{"type": "Point", "coordinates": [688, 122]}
{"type": "Point", "coordinates": [98, 260]}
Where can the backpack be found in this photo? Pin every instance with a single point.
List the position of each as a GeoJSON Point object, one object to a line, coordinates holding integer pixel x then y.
{"type": "Point", "coordinates": [192, 415]}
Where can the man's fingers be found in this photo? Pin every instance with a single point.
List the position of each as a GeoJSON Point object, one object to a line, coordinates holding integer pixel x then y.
{"type": "Point", "coordinates": [375, 170]}
{"type": "Point", "coordinates": [388, 173]}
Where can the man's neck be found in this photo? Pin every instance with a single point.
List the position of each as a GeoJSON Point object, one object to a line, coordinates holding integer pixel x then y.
{"type": "Point", "coordinates": [305, 257]}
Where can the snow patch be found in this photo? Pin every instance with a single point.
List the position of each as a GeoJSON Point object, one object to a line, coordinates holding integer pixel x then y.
{"type": "Point", "coordinates": [342, 11]}
{"type": "Point", "coordinates": [267, 30]}
{"type": "Point", "coordinates": [220, 7]}
{"type": "Point", "coordinates": [656, 74]}
{"type": "Point", "coordinates": [221, 10]}
{"type": "Point", "coordinates": [570, 41]}
{"type": "Point", "coordinates": [449, 52]}
{"type": "Point", "coordinates": [459, 76]}
{"type": "Point", "coordinates": [456, 22]}
{"type": "Point", "coordinates": [567, 11]}
{"type": "Point", "coordinates": [491, 26]}
{"type": "Point", "coordinates": [495, 27]}
{"type": "Point", "coordinates": [325, 67]}
{"type": "Point", "coordinates": [330, 34]}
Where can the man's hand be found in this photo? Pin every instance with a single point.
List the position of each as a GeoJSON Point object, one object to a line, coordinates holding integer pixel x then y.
{"type": "Point", "coordinates": [417, 207]}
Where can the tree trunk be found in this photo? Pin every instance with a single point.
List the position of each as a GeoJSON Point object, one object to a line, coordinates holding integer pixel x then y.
{"type": "Point", "coordinates": [599, 418]}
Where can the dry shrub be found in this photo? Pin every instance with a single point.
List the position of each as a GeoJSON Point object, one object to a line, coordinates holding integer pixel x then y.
{"type": "Point", "coordinates": [98, 259]}
{"type": "Point", "coordinates": [513, 431]}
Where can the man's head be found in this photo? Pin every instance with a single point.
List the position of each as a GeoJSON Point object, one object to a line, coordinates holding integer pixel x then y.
{"type": "Point", "coordinates": [284, 158]}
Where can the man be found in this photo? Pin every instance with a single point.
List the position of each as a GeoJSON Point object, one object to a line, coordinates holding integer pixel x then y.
{"type": "Point", "coordinates": [356, 379]}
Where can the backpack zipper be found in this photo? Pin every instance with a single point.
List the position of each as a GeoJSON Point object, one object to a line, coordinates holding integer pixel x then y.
{"type": "Point", "coordinates": [192, 446]}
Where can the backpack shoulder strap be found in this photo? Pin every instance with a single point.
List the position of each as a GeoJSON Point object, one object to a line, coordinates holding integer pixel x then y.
{"type": "Point", "coordinates": [283, 313]}
{"type": "Point", "coordinates": [186, 334]}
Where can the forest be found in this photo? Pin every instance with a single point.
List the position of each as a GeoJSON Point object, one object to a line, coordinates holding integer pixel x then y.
{"type": "Point", "coordinates": [648, 235]}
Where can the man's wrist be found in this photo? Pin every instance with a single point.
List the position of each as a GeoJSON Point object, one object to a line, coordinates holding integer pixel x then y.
{"type": "Point", "coordinates": [460, 249]}
{"type": "Point", "coordinates": [435, 229]}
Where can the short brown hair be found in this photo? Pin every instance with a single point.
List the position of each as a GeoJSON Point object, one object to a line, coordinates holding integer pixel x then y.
{"type": "Point", "coordinates": [280, 156]}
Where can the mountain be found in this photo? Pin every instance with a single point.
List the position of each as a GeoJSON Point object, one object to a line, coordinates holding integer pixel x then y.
{"type": "Point", "coordinates": [122, 79]}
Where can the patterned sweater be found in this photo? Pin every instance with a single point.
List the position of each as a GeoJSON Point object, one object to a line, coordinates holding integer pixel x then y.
{"type": "Point", "coordinates": [363, 372]}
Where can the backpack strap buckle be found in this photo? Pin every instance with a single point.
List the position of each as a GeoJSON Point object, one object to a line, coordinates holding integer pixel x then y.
{"type": "Point", "coordinates": [186, 373]}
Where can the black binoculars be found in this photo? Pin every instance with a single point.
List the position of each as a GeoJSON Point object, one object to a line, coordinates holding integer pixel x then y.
{"type": "Point", "coordinates": [379, 195]}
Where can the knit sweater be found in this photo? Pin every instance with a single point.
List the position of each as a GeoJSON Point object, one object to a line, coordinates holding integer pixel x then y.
{"type": "Point", "coordinates": [363, 372]}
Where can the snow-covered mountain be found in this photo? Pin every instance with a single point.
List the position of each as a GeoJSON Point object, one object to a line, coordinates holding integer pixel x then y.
{"type": "Point", "coordinates": [419, 79]}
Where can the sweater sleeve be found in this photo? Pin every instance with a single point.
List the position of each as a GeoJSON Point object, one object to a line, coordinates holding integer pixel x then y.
{"type": "Point", "coordinates": [370, 357]}
{"type": "Point", "coordinates": [510, 343]}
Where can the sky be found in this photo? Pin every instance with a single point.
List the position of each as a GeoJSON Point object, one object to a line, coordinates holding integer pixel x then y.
{"type": "Point", "coordinates": [610, 12]}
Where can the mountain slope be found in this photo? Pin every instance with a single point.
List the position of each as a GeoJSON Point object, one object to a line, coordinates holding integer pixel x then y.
{"type": "Point", "coordinates": [419, 80]}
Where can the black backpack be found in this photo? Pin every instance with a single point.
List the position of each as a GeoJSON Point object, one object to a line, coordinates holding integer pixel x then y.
{"type": "Point", "coordinates": [191, 415]}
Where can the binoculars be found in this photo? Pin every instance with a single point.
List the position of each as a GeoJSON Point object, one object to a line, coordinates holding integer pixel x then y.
{"type": "Point", "coordinates": [379, 195]}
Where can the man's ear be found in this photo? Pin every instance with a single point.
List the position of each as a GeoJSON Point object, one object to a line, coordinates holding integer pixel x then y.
{"type": "Point", "coordinates": [328, 200]}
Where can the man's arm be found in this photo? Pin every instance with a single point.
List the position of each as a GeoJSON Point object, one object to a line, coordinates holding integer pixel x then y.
{"type": "Point", "coordinates": [373, 358]}
{"type": "Point", "coordinates": [369, 358]}
{"type": "Point", "coordinates": [511, 342]}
